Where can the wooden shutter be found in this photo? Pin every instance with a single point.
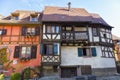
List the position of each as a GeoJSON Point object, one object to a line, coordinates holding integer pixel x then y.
{"type": "Point", "coordinates": [33, 51]}
{"type": "Point", "coordinates": [93, 52]}
{"type": "Point", "coordinates": [79, 52]}
{"type": "Point", "coordinates": [41, 48]}
{"type": "Point", "coordinates": [37, 30]}
{"type": "Point", "coordinates": [4, 31]}
{"type": "Point", "coordinates": [17, 52]}
{"type": "Point", "coordinates": [24, 29]}
{"type": "Point", "coordinates": [55, 49]}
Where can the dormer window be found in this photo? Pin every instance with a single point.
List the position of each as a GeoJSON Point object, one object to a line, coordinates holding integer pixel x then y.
{"type": "Point", "coordinates": [33, 17]}
{"type": "Point", "coordinates": [16, 18]}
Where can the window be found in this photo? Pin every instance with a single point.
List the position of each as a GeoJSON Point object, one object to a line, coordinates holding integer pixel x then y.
{"type": "Point", "coordinates": [34, 18]}
{"type": "Point", "coordinates": [104, 35]}
{"type": "Point", "coordinates": [57, 29]}
{"type": "Point", "coordinates": [25, 52]}
{"type": "Point", "coordinates": [3, 31]}
{"type": "Point", "coordinates": [80, 29]}
{"type": "Point", "coordinates": [68, 28]}
{"type": "Point", "coordinates": [52, 29]}
{"type": "Point", "coordinates": [16, 18]}
{"type": "Point", "coordinates": [29, 31]}
{"type": "Point", "coordinates": [86, 52]}
{"type": "Point", "coordinates": [95, 33]}
{"type": "Point", "coordinates": [49, 49]}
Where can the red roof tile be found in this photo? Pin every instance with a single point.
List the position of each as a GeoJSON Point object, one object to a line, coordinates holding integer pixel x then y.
{"type": "Point", "coordinates": [62, 14]}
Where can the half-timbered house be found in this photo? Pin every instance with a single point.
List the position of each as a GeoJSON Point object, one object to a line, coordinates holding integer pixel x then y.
{"type": "Point", "coordinates": [75, 42]}
{"type": "Point", "coordinates": [20, 36]}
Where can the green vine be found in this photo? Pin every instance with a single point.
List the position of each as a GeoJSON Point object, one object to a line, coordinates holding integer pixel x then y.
{"type": "Point", "coordinates": [3, 56]}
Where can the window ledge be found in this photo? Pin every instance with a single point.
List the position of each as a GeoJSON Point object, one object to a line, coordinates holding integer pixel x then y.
{"type": "Point", "coordinates": [87, 56]}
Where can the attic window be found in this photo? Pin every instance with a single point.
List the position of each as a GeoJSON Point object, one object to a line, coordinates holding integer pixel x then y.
{"type": "Point", "coordinates": [16, 18]}
{"type": "Point", "coordinates": [34, 19]}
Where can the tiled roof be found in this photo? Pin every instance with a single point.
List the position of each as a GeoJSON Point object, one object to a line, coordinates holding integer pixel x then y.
{"type": "Point", "coordinates": [62, 14]}
{"type": "Point", "coordinates": [97, 19]}
{"type": "Point", "coordinates": [59, 14]}
{"type": "Point", "coordinates": [115, 37]}
{"type": "Point", "coordinates": [74, 15]}
{"type": "Point", "coordinates": [23, 15]}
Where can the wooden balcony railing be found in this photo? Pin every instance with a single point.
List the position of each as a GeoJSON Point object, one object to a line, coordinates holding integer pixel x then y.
{"type": "Point", "coordinates": [50, 59]}
{"type": "Point", "coordinates": [74, 35]}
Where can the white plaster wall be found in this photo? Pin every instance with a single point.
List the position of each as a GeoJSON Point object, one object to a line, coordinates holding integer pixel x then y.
{"type": "Point", "coordinates": [96, 39]}
{"type": "Point", "coordinates": [44, 28]}
{"type": "Point", "coordinates": [69, 57]}
{"type": "Point", "coordinates": [90, 34]}
{"type": "Point", "coordinates": [44, 36]}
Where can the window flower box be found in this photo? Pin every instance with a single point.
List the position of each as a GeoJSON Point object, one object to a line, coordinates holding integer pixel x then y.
{"type": "Point", "coordinates": [24, 59]}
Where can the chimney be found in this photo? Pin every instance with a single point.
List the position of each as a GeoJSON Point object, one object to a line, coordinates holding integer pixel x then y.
{"type": "Point", "coordinates": [69, 6]}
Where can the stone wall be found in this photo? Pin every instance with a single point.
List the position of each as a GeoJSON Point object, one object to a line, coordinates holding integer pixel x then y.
{"type": "Point", "coordinates": [104, 71]}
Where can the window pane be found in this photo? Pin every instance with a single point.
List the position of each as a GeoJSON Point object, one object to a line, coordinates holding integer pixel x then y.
{"type": "Point", "coordinates": [49, 49]}
{"type": "Point", "coordinates": [16, 18]}
{"type": "Point", "coordinates": [68, 28]}
{"type": "Point", "coordinates": [0, 32]}
{"type": "Point", "coordinates": [33, 19]}
{"type": "Point", "coordinates": [80, 29]}
{"type": "Point", "coordinates": [23, 52]}
{"type": "Point", "coordinates": [57, 29]}
{"type": "Point", "coordinates": [88, 52]}
{"type": "Point", "coordinates": [94, 31]}
{"type": "Point", "coordinates": [28, 30]}
{"type": "Point", "coordinates": [28, 52]}
{"type": "Point", "coordinates": [53, 29]}
{"type": "Point", "coordinates": [49, 29]}
{"type": "Point", "coordinates": [33, 31]}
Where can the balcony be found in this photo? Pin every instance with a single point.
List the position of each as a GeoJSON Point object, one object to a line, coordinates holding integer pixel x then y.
{"type": "Point", "coordinates": [74, 36]}
{"type": "Point", "coordinates": [50, 59]}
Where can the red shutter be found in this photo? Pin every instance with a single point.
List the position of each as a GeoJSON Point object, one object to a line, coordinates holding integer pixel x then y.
{"type": "Point", "coordinates": [33, 52]}
{"type": "Point", "coordinates": [17, 52]}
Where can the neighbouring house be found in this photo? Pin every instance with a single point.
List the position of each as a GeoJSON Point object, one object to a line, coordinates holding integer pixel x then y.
{"type": "Point", "coordinates": [116, 41]}
{"type": "Point", "coordinates": [75, 42]}
{"type": "Point", "coordinates": [20, 35]}
{"type": "Point", "coordinates": [1, 16]}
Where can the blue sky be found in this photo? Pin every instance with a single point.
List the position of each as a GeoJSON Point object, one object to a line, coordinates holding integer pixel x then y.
{"type": "Point", "coordinates": [109, 10]}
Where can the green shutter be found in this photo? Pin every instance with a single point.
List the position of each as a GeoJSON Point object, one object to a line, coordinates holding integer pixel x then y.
{"type": "Point", "coordinates": [79, 52]}
{"type": "Point", "coordinates": [94, 52]}
{"type": "Point", "coordinates": [55, 49]}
